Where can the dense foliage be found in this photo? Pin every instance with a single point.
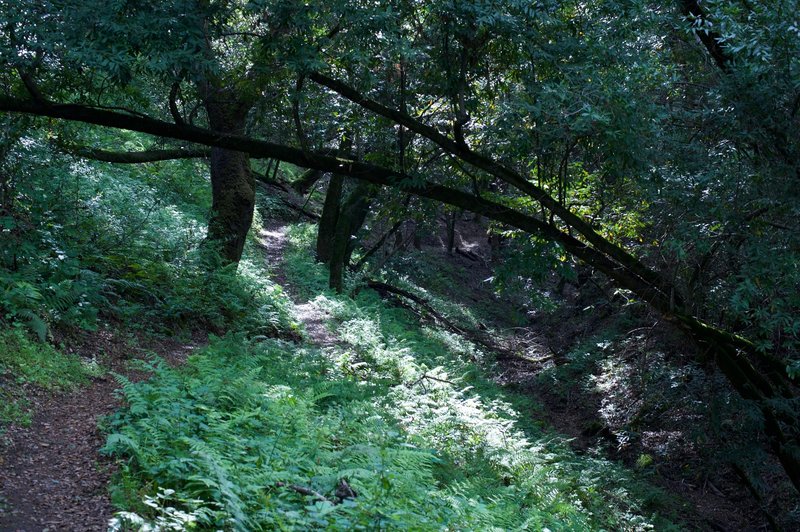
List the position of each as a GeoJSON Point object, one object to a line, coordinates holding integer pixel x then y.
{"type": "Point", "coordinates": [644, 154]}
{"type": "Point", "coordinates": [76, 246]}
{"type": "Point", "coordinates": [400, 414]}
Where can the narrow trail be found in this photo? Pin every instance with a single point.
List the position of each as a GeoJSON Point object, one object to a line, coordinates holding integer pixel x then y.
{"type": "Point", "coordinates": [710, 507]}
{"type": "Point", "coordinates": [52, 476]}
{"type": "Point", "coordinates": [313, 318]}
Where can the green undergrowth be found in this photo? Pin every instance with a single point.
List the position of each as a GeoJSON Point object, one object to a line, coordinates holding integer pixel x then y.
{"type": "Point", "coordinates": [87, 245]}
{"type": "Point", "coordinates": [24, 361]}
{"type": "Point", "coordinates": [263, 435]}
{"type": "Point", "coordinates": [435, 277]}
{"type": "Point", "coordinates": [243, 423]}
{"type": "Point", "coordinates": [452, 376]}
{"type": "Point", "coordinates": [87, 242]}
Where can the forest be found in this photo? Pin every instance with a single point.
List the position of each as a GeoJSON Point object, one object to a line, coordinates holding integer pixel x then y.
{"type": "Point", "coordinates": [399, 265]}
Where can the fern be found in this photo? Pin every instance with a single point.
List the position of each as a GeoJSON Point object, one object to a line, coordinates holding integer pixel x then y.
{"type": "Point", "coordinates": [224, 489]}
{"type": "Point", "coordinates": [33, 321]}
{"type": "Point", "coordinates": [23, 302]}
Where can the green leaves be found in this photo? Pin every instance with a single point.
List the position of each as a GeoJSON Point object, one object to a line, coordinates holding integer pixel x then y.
{"type": "Point", "coordinates": [242, 433]}
{"type": "Point", "coordinates": [24, 362]}
{"type": "Point", "coordinates": [239, 456]}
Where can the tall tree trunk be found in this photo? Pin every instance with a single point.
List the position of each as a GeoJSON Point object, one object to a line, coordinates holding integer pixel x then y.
{"type": "Point", "coordinates": [232, 183]}
{"type": "Point", "coordinates": [351, 218]}
{"type": "Point", "coordinates": [451, 231]}
{"type": "Point", "coordinates": [331, 210]}
{"type": "Point", "coordinates": [326, 229]}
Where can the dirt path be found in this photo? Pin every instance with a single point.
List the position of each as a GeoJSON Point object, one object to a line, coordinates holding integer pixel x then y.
{"type": "Point", "coordinates": [52, 476]}
{"type": "Point", "coordinates": [313, 318]}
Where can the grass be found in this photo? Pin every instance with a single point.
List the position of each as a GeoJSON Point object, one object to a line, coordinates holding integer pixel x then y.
{"type": "Point", "coordinates": [26, 362]}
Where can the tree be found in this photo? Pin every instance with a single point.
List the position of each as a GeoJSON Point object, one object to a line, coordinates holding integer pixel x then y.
{"type": "Point", "coordinates": [600, 122]}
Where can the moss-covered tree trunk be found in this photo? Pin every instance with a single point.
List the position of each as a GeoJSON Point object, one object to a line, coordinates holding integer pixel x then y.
{"type": "Point", "coordinates": [351, 218]}
{"type": "Point", "coordinates": [451, 230]}
{"type": "Point", "coordinates": [326, 229]}
{"type": "Point", "coordinates": [232, 183]}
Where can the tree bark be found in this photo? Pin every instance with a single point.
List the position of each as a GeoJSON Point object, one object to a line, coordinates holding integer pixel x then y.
{"type": "Point", "coordinates": [351, 218]}
{"type": "Point", "coordinates": [232, 184]}
{"type": "Point", "coordinates": [326, 229]}
{"type": "Point", "coordinates": [451, 230]}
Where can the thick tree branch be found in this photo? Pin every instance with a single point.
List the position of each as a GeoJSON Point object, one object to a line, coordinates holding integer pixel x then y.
{"type": "Point", "coordinates": [363, 171]}
{"type": "Point", "coordinates": [748, 381]}
{"type": "Point", "coordinates": [137, 157]}
{"type": "Point", "coordinates": [305, 181]}
{"type": "Point", "coordinates": [711, 40]}
{"type": "Point", "coordinates": [382, 176]}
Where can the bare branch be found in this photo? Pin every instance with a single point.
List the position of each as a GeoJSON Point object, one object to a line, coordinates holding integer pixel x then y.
{"type": "Point", "coordinates": [302, 490]}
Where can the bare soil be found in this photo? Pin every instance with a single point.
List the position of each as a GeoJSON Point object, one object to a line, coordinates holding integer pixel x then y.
{"type": "Point", "coordinates": [313, 318]}
{"type": "Point", "coordinates": [52, 476]}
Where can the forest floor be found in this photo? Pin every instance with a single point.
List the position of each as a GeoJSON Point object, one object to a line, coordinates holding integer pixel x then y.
{"type": "Point", "coordinates": [724, 506]}
{"type": "Point", "coordinates": [710, 502]}
{"type": "Point", "coordinates": [313, 319]}
{"type": "Point", "coordinates": [52, 476]}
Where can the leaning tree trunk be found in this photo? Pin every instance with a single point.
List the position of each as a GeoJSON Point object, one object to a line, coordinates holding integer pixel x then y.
{"type": "Point", "coordinates": [232, 182]}
{"type": "Point", "coordinates": [777, 399]}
